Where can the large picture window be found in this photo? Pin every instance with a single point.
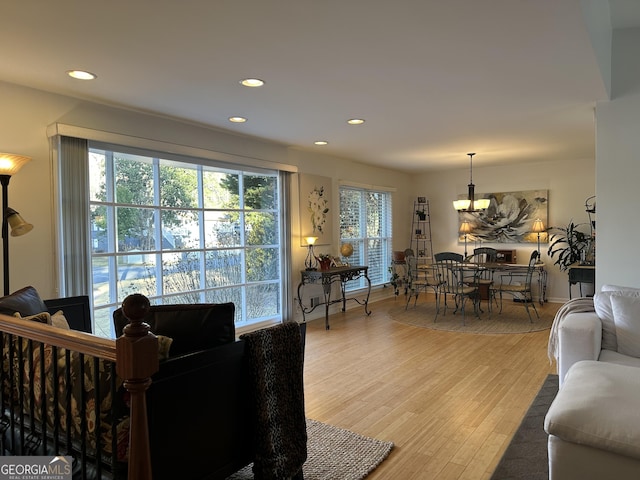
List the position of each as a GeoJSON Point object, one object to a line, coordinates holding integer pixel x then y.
{"type": "Point", "coordinates": [365, 223]}
{"type": "Point", "coordinates": [183, 232]}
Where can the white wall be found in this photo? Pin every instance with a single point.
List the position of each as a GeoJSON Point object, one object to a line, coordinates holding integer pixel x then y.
{"type": "Point", "coordinates": [618, 168]}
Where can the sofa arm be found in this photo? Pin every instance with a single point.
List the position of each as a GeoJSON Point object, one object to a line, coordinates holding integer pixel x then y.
{"type": "Point", "coordinates": [579, 338]}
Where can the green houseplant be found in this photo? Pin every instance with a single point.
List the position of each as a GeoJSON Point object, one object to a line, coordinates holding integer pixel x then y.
{"type": "Point", "coordinates": [568, 245]}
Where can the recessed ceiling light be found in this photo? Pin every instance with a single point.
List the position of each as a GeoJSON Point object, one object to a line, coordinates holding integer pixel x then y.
{"type": "Point", "coordinates": [81, 75]}
{"type": "Point", "coordinates": [237, 119]}
{"type": "Point", "coordinates": [252, 82]}
{"type": "Point", "coordinates": [321, 142]}
{"type": "Point", "coordinates": [355, 121]}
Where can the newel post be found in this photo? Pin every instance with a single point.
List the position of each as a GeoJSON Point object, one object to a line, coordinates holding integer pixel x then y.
{"type": "Point", "coordinates": [137, 354]}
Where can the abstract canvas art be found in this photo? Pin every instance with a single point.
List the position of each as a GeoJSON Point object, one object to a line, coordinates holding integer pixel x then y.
{"type": "Point", "coordinates": [509, 218]}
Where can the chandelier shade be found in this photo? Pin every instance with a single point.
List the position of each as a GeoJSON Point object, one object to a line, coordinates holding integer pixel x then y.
{"type": "Point", "coordinates": [470, 204]}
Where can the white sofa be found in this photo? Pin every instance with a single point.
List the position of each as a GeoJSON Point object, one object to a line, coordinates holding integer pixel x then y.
{"type": "Point", "coordinates": [595, 334]}
{"type": "Point", "coordinates": [594, 422]}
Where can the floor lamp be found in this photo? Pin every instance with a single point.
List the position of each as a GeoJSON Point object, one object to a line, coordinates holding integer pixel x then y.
{"type": "Point", "coordinates": [538, 227]}
{"type": "Point", "coordinates": [9, 165]}
{"type": "Point", "coordinates": [465, 229]}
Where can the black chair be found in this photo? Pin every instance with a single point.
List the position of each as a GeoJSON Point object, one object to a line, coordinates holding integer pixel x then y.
{"type": "Point", "coordinates": [451, 269]}
{"type": "Point", "coordinates": [484, 258]}
{"type": "Point", "coordinates": [518, 285]}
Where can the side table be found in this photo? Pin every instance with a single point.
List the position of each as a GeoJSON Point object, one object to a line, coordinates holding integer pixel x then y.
{"type": "Point", "coordinates": [581, 274]}
{"type": "Point", "coordinates": [327, 278]}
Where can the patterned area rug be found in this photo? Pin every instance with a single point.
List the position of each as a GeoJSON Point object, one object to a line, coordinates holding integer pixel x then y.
{"type": "Point", "coordinates": [335, 453]}
{"type": "Point", "coordinates": [526, 456]}
{"type": "Point", "coordinates": [513, 318]}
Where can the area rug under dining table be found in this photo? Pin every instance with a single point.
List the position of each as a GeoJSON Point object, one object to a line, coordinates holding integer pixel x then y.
{"type": "Point", "coordinates": [513, 319]}
{"type": "Point", "coordinates": [334, 453]}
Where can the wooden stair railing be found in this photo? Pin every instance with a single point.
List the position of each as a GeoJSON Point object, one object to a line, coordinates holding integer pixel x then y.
{"type": "Point", "coordinates": [137, 352]}
{"type": "Point", "coordinates": [135, 355]}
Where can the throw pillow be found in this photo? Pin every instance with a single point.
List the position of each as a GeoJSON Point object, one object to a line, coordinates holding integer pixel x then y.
{"type": "Point", "coordinates": [602, 304]}
{"type": "Point", "coordinates": [58, 320]}
{"type": "Point", "coordinates": [626, 314]}
{"type": "Point", "coordinates": [42, 317]}
{"type": "Point", "coordinates": [164, 344]}
{"type": "Point", "coordinates": [26, 301]}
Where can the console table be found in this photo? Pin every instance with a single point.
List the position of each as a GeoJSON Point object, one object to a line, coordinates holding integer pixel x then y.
{"type": "Point", "coordinates": [327, 278]}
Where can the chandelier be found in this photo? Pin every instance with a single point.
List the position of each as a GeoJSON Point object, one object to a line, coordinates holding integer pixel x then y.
{"type": "Point", "coordinates": [470, 204]}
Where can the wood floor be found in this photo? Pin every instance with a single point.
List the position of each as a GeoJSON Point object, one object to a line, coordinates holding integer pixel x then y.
{"type": "Point", "coordinates": [450, 402]}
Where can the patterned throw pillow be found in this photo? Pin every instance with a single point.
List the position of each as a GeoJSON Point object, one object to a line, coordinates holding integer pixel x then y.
{"type": "Point", "coordinates": [42, 317]}
{"type": "Point", "coordinates": [57, 319]}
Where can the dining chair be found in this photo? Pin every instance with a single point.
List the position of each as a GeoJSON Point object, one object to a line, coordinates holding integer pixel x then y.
{"type": "Point", "coordinates": [450, 269]}
{"type": "Point", "coordinates": [484, 258]}
{"type": "Point", "coordinates": [420, 278]}
{"type": "Point", "coordinates": [518, 285]}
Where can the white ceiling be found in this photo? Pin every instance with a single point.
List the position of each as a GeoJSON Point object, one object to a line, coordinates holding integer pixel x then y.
{"type": "Point", "coordinates": [513, 80]}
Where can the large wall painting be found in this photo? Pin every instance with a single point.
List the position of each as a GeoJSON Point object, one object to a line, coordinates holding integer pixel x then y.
{"type": "Point", "coordinates": [509, 218]}
{"type": "Point", "coordinates": [315, 209]}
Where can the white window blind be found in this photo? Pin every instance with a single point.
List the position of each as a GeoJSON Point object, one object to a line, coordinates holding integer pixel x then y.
{"type": "Point", "coordinates": [366, 223]}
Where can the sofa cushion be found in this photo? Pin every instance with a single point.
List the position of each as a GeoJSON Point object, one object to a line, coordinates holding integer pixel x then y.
{"type": "Point", "coordinates": [192, 327]}
{"type": "Point", "coordinates": [618, 288]}
{"type": "Point", "coordinates": [626, 316]}
{"type": "Point", "coordinates": [598, 406]}
{"type": "Point", "coordinates": [25, 301]}
{"type": "Point", "coordinates": [602, 304]}
{"type": "Point", "coordinates": [609, 356]}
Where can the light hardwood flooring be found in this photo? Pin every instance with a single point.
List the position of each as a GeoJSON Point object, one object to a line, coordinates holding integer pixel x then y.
{"type": "Point", "coordinates": [450, 402]}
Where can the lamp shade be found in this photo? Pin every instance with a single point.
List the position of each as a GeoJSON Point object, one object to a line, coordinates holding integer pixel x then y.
{"type": "Point", "coordinates": [17, 223]}
{"type": "Point", "coordinates": [10, 163]}
{"type": "Point", "coordinates": [311, 240]}
{"type": "Point", "coordinates": [465, 227]}
{"type": "Point", "coordinates": [537, 226]}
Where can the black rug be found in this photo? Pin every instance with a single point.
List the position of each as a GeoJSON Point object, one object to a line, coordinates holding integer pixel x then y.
{"type": "Point", "coordinates": [526, 456]}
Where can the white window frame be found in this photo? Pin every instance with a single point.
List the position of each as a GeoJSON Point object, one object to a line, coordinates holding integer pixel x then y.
{"type": "Point", "coordinates": [378, 265]}
{"type": "Point", "coordinates": [77, 259]}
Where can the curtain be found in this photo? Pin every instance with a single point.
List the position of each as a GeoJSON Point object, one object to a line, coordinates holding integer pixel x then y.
{"type": "Point", "coordinates": [73, 217]}
{"type": "Point", "coordinates": [285, 238]}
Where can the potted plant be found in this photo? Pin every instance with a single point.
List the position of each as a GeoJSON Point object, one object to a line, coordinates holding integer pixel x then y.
{"type": "Point", "coordinates": [422, 215]}
{"type": "Point", "coordinates": [569, 244]}
{"type": "Point", "coordinates": [325, 261]}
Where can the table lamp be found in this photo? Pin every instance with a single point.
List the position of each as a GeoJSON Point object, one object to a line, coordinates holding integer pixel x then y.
{"type": "Point", "coordinates": [310, 262]}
